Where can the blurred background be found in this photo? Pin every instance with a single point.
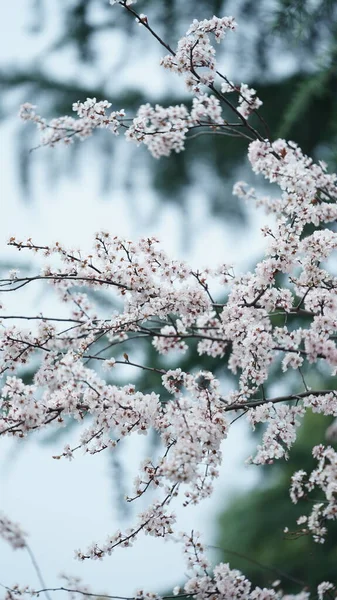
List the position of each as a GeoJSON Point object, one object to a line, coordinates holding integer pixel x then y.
{"type": "Point", "coordinates": [52, 54]}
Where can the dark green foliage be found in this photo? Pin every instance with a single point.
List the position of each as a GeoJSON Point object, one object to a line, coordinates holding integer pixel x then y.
{"type": "Point", "coordinates": [251, 529]}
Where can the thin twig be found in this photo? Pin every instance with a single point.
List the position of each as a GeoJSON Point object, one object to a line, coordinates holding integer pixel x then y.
{"type": "Point", "coordinates": [38, 571]}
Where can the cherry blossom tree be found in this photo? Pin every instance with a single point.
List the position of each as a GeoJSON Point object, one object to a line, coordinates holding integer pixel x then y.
{"type": "Point", "coordinates": [167, 304]}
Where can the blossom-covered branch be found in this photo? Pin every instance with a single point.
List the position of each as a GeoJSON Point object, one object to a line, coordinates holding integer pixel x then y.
{"type": "Point", "coordinates": [164, 130]}
{"type": "Point", "coordinates": [167, 305]}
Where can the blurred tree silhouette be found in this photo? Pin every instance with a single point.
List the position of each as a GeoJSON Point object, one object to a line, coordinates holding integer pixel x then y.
{"type": "Point", "coordinates": [286, 49]}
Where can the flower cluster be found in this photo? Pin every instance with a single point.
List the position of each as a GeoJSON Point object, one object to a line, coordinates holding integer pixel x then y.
{"type": "Point", "coordinates": [154, 521]}
{"type": "Point", "coordinates": [195, 55]}
{"type": "Point", "coordinates": [248, 100]}
{"type": "Point", "coordinates": [324, 477]}
{"type": "Point", "coordinates": [91, 115]}
{"type": "Point", "coordinates": [162, 130]}
{"type": "Point", "coordinates": [12, 533]}
{"type": "Point", "coordinates": [280, 433]}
